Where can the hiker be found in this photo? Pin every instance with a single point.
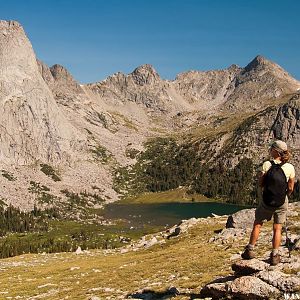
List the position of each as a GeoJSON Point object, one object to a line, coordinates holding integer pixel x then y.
{"type": "Point", "coordinates": [276, 186]}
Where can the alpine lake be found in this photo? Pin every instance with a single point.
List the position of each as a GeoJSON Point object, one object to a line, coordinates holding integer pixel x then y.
{"type": "Point", "coordinates": [124, 222]}
{"type": "Point", "coordinates": [162, 215]}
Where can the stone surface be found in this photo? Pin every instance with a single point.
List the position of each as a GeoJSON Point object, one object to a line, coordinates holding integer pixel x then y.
{"type": "Point", "coordinates": [245, 287]}
{"type": "Point", "coordinates": [228, 235]}
{"type": "Point", "coordinates": [28, 109]}
{"type": "Point", "coordinates": [249, 287]}
{"type": "Point", "coordinates": [280, 280]}
{"type": "Point", "coordinates": [78, 250]}
{"type": "Point", "coordinates": [214, 290]}
{"type": "Point", "coordinates": [242, 219]}
{"type": "Point", "coordinates": [247, 267]}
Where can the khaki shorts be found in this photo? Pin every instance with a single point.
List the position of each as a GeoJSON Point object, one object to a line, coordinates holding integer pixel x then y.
{"type": "Point", "coordinates": [264, 213]}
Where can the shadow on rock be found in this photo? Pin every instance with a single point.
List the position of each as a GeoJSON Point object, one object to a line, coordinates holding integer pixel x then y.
{"type": "Point", "coordinates": [154, 295]}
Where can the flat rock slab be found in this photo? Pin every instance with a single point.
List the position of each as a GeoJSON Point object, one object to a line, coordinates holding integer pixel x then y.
{"type": "Point", "coordinates": [248, 267]}
{"type": "Point", "coordinates": [284, 282]}
{"type": "Point", "coordinates": [250, 287]}
{"type": "Point", "coordinates": [245, 287]}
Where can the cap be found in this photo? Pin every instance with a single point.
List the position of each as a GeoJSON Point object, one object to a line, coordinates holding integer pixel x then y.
{"type": "Point", "coordinates": [279, 145]}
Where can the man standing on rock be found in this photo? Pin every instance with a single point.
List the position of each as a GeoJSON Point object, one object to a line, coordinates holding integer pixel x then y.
{"type": "Point", "coordinates": [277, 180]}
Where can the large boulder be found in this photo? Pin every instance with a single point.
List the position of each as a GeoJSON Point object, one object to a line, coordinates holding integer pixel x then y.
{"type": "Point", "coordinates": [246, 287]}
{"type": "Point", "coordinates": [249, 287]}
{"type": "Point", "coordinates": [242, 219]}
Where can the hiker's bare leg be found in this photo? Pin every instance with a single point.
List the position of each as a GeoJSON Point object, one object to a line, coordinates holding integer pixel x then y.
{"type": "Point", "coordinates": [276, 235]}
{"type": "Point", "coordinates": [255, 232]}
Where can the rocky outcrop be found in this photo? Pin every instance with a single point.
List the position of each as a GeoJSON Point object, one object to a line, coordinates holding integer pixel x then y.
{"type": "Point", "coordinates": [145, 75]}
{"type": "Point", "coordinates": [65, 89]}
{"type": "Point", "coordinates": [246, 287]}
{"type": "Point", "coordinates": [143, 87]}
{"type": "Point", "coordinates": [242, 219]}
{"type": "Point", "coordinates": [32, 127]}
{"type": "Point", "coordinates": [255, 278]}
{"type": "Point", "coordinates": [287, 123]}
{"type": "Point", "coordinates": [259, 81]}
{"type": "Point", "coordinates": [249, 267]}
{"type": "Point", "coordinates": [280, 280]}
{"type": "Point", "coordinates": [206, 90]}
{"type": "Point", "coordinates": [160, 238]}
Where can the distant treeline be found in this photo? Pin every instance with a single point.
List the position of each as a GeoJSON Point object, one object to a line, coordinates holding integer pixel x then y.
{"type": "Point", "coordinates": [12, 219]}
{"type": "Point", "coordinates": [166, 165]}
{"type": "Point", "coordinates": [18, 244]}
{"type": "Point", "coordinates": [31, 232]}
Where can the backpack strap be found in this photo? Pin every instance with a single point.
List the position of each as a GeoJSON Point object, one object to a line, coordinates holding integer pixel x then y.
{"type": "Point", "coordinates": [273, 163]}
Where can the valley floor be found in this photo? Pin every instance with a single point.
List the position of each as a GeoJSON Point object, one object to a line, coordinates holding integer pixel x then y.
{"type": "Point", "coordinates": [187, 262]}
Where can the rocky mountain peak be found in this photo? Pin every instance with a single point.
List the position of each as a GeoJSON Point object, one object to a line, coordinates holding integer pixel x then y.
{"type": "Point", "coordinates": [59, 71]}
{"type": "Point", "coordinates": [261, 80]}
{"type": "Point", "coordinates": [64, 82]}
{"type": "Point", "coordinates": [259, 62]}
{"type": "Point", "coordinates": [27, 106]}
{"type": "Point", "coordinates": [145, 74]}
{"type": "Point", "coordinates": [9, 25]}
{"type": "Point", "coordinates": [234, 68]}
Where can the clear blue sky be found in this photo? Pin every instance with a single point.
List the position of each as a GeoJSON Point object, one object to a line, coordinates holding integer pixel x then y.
{"type": "Point", "coordinates": [96, 38]}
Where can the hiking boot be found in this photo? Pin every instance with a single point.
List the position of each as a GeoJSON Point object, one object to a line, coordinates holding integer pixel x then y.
{"type": "Point", "coordinates": [274, 259]}
{"type": "Point", "coordinates": [248, 253]}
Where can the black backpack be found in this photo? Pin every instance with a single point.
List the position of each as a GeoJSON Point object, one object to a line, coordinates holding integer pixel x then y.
{"type": "Point", "coordinates": [275, 186]}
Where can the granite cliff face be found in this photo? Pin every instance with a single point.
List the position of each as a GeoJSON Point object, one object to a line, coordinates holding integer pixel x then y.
{"type": "Point", "coordinates": [287, 122]}
{"type": "Point", "coordinates": [207, 90]}
{"type": "Point", "coordinates": [32, 126]}
{"type": "Point", "coordinates": [87, 131]}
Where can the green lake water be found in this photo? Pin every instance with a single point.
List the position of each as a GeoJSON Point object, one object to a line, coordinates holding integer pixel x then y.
{"type": "Point", "coordinates": [166, 214]}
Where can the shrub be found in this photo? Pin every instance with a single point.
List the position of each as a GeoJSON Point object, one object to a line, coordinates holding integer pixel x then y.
{"type": "Point", "coordinates": [49, 171]}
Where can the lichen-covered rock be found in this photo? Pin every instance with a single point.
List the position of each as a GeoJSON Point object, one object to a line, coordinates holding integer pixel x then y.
{"type": "Point", "coordinates": [245, 287]}
{"type": "Point", "coordinates": [252, 288]}
{"type": "Point", "coordinates": [280, 280]}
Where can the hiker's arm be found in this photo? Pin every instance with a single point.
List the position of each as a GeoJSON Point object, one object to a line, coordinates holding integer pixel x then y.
{"type": "Point", "coordinates": [262, 174]}
{"type": "Point", "coordinates": [291, 184]}
{"type": "Point", "coordinates": [261, 177]}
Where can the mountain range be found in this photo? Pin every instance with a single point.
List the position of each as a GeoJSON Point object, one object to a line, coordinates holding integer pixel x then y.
{"type": "Point", "coordinates": [57, 134]}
